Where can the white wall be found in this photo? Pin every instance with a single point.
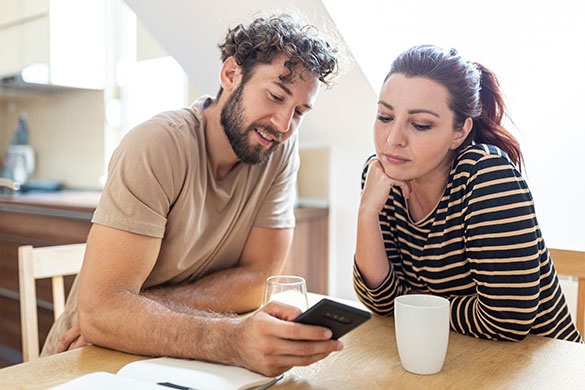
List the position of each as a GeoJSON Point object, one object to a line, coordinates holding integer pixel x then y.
{"type": "Point", "coordinates": [343, 119]}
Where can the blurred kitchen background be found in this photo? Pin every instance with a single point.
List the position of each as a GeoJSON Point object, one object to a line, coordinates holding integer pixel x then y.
{"type": "Point", "coordinates": [76, 75]}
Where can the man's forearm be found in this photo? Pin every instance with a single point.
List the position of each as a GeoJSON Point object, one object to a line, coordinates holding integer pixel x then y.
{"type": "Point", "coordinates": [135, 324]}
{"type": "Point", "coordinates": [234, 290]}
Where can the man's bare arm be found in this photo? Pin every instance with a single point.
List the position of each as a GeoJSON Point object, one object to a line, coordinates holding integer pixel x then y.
{"type": "Point", "coordinates": [239, 289]}
{"type": "Point", "coordinates": [113, 314]}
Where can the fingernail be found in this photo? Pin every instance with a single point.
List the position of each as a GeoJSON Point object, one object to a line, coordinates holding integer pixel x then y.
{"type": "Point", "coordinates": [328, 333]}
{"type": "Point", "coordinates": [339, 346]}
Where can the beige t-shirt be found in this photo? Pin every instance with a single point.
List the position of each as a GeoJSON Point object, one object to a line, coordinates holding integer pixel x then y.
{"type": "Point", "coordinates": [160, 185]}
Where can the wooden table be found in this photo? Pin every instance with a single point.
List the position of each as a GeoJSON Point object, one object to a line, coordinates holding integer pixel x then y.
{"type": "Point", "coordinates": [369, 361]}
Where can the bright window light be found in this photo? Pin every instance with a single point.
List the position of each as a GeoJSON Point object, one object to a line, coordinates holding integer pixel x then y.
{"type": "Point", "coordinates": [77, 43]}
{"type": "Point", "coordinates": [154, 86]}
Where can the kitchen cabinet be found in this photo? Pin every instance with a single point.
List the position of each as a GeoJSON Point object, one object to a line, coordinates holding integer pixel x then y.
{"type": "Point", "coordinates": [65, 36]}
{"type": "Point", "coordinates": [64, 218]}
{"type": "Point", "coordinates": [24, 38]}
{"type": "Point", "coordinates": [17, 10]}
{"type": "Point", "coordinates": [309, 254]}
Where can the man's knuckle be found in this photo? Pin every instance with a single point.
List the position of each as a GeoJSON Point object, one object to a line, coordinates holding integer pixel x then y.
{"type": "Point", "coordinates": [265, 349]}
{"type": "Point", "coordinates": [268, 350]}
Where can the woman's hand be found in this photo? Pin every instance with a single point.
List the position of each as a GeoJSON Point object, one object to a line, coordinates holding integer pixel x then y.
{"type": "Point", "coordinates": [377, 188]}
{"type": "Point", "coordinates": [370, 254]}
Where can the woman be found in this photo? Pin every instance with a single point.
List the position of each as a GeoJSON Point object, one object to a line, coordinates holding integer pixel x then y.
{"type": "Point", "coordinates": [444, 209]}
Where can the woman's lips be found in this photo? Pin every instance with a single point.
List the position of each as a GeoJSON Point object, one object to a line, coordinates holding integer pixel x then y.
{"type": "Point", "coordinates": [395, 159]}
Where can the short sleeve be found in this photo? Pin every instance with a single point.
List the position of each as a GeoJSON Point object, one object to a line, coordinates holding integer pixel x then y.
{"type": "Point", "coordinates": [277, 210]}
{"type": "Point", "coordinates": [145, 175]}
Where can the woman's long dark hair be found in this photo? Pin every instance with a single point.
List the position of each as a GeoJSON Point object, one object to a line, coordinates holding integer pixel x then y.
{"type": "Point", "coordinates": [474, 93]}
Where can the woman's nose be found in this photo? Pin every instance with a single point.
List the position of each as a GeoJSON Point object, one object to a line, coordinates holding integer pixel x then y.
{"type": "Point", "coordinates": [396, 135]}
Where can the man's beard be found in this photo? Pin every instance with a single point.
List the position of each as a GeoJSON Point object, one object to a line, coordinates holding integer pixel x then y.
{"type": "Point", "coordinates": [232, 119]}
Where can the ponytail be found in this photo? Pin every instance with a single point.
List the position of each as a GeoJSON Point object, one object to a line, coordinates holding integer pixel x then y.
{"type": "Point", "coordinates": [487, 127]}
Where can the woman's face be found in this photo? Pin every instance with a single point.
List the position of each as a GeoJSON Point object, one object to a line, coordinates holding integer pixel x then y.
{"type": "Point", "coordinates": [413, 133]}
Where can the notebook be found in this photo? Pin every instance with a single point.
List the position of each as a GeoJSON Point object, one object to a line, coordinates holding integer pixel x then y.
{"type": "Point", "coordinates": [169, 373]}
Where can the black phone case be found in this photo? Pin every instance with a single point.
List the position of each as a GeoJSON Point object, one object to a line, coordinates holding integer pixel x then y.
{"type": "Point", "coordinates": [338, 317]}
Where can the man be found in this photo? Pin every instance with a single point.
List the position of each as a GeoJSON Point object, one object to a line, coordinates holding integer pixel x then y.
{"type": "Point", "coordinates": [198, 212]}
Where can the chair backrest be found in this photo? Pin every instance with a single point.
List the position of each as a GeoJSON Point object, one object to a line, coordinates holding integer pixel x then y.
{"type": "Point", "coordinates": [572, 263]}
{"type": "Point", "coordinates": [39, 263]}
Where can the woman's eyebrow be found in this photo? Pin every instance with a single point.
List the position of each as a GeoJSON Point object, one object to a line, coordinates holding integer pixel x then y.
{"type": "Point", "coordinates": [385, 105]}
{"type": "Point", "coordinates": [415, 111]}
{"type": "Point", "coordinates": [423, 111]}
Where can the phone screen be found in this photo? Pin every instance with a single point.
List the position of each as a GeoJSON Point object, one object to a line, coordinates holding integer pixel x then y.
{"type": "Point", "coordinates": [338, 317]}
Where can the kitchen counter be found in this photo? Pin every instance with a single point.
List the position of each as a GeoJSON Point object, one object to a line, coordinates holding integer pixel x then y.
{"type": "Point", "coordinates": [82, 201]}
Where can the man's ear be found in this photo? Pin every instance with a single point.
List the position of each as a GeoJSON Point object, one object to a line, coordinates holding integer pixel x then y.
{"type": "Point", "coordinates": [230, 75]}
{"type": "Point", "coordinates": [462, 134]}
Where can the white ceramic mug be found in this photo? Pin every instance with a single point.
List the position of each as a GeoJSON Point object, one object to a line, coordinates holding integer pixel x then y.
{"type": "Point", "coordinates": [422, 332]}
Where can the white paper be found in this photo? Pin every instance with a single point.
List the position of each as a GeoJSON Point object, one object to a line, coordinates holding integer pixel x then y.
{"type": "Point", "coordinates": [145, 374]}
{"type": "Point", "coordinates": [193, 373]}
{"type": "Point", "coordinates": [105, 380]}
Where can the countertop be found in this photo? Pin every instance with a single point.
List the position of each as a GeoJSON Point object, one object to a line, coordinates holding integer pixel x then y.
{"type": "Point", "coordinates": [70, 204]}
{"type": "Point", "coordinates": [86, 202]}
{"type": "Point", "coordinates": [66, 199]}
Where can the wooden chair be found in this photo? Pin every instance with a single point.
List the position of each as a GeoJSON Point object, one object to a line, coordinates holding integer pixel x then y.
{"type": "Point", "coordinates": [39, 263]}
{"type": "Point", "coordinates": [572, 263]}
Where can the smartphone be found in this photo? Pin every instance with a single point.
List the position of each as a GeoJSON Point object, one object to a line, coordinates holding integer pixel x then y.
{"type": "Point", "coordinates": [338, 317]}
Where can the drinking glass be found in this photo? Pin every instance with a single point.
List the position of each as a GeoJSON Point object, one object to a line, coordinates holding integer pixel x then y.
{"type": "Point", "coordinates": [291, 290]}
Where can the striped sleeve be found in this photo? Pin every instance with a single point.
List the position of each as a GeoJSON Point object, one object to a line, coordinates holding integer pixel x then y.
{"type": "Point", "coordinates": [502, 246]}
{"type": "Point", "coordinates": [380, 299]}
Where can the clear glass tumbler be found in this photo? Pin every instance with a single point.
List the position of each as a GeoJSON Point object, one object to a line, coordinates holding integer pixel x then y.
{"type": "Point", "coordinates": [291, 290]}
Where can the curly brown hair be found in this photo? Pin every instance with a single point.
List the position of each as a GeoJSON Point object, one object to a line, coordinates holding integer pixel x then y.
{"type": "Point", "coordinates": [265, 38]}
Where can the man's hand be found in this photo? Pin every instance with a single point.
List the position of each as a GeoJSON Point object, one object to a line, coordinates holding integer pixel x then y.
{"type": "Point", "coordinates": [270, 344]}
{"type": "Point", "coordinates": [72, 339]}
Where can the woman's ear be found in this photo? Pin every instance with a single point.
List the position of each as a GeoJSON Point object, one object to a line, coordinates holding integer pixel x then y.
{"type": "Point", "coordinates": [230, 74]}
{"type": "Point", "coordinates": [462, 134]}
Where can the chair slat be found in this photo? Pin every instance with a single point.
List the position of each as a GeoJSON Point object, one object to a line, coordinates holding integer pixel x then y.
{"type": "Point", "coordinates": [39, 263]}
{"type": "Point", "coordinates": [28, 304]}
{"type": "Point", "coordinates": [58, 296]}
{"type": "Point", "coordinates": [58, 260]}
{"type": "Point", "coordinates": [572, 263]}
